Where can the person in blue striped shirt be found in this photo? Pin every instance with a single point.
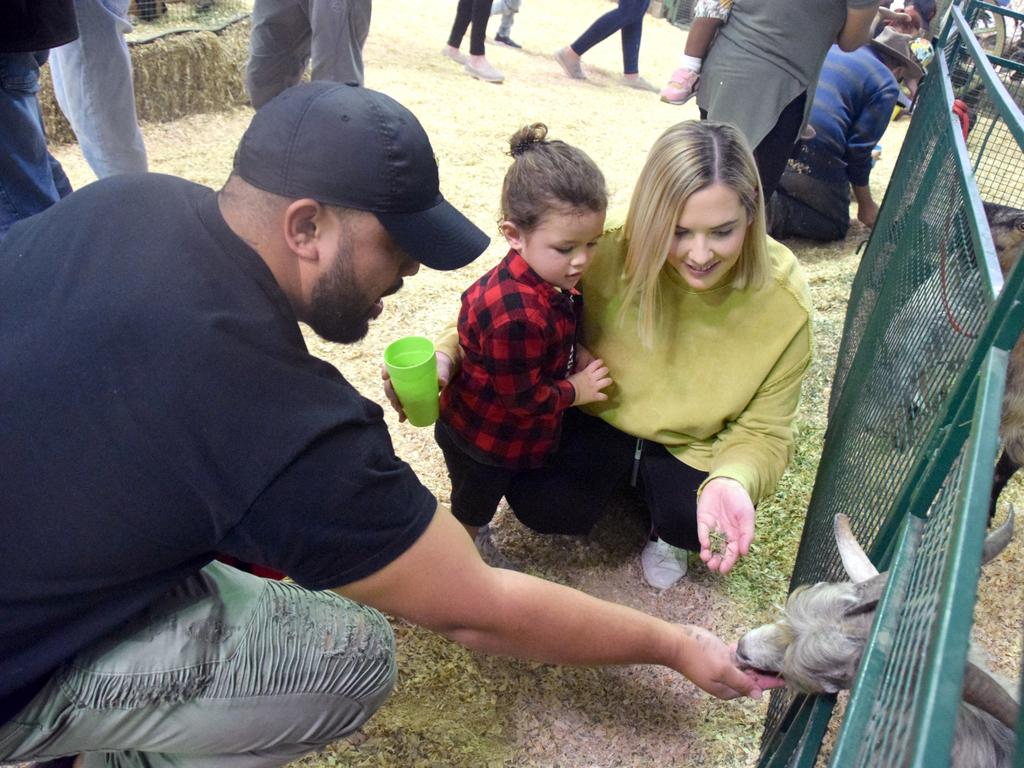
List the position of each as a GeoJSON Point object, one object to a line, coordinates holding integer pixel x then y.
{"type": "Point", "coordinates": [852, 106]}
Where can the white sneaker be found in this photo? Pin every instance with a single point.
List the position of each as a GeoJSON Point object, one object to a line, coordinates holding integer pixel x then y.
{"type": "Point", "coordinates": [663, 564]}
{"type": "Point", "coordinates": [639, 83]}
{"type": "Point", "coordinates": [571, 65]}
{"type": "Point", "coordinates": [483, 71]}
{"type": "Point", "coordinates": [454, 54]}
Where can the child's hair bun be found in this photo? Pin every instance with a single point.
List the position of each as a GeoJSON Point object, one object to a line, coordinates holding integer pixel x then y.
{"type": "Point", "coordinates": [526, 138]}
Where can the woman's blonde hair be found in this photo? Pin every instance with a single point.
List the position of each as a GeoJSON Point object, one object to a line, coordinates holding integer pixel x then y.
{"type": "Point", "coordinates": [686, 159]}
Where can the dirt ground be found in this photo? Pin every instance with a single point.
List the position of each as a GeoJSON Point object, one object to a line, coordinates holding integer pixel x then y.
{"type": "Point", "coordinates": [457, 708]}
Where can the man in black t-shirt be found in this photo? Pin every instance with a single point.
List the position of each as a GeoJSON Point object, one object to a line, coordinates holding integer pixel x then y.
{"type": "Point", "coordinates": [158, 405]}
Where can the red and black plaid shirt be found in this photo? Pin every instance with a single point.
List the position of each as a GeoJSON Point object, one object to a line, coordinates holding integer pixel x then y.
{"type": "Point", "coordinates": [518, 336]}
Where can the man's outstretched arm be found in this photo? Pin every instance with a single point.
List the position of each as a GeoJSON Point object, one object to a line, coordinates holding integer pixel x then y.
{"type": "Point", "coordinates": [442, 584]}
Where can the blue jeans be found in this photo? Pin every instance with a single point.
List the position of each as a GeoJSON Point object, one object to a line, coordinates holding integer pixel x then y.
{"type": "Point", "coordinates": [31, 179]}
{"type": "Point", "coordinates": [92, 80]}
{"type": "Point", "coordinates": [508, 10]}
{"type": "Point", "coordinates": [627, 18]}
{"type": "Point", "coordinates": [227, 671]}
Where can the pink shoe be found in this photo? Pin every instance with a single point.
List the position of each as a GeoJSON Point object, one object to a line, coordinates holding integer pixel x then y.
{"type": "Point", "coordinates": [681, 86]}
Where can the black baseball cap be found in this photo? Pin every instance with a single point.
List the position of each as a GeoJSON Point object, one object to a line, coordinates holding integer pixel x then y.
{"type": "Point", "coordinates": [348, 146]}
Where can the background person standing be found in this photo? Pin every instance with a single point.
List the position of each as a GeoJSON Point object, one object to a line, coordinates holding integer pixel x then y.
{"type": "Point", "coordinates": [289, 34]}
{"type": "Point", "coordinates": [31, 179]}
{"type": "Point", "coordinates": [92, 81]}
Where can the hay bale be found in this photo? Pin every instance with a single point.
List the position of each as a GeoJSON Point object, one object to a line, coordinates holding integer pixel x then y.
{"type": "Point", "coordinates": [175, 75]}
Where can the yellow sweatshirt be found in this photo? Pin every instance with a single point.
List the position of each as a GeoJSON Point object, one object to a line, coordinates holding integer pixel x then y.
{"type": "Point", "coordinates": [721, 384]}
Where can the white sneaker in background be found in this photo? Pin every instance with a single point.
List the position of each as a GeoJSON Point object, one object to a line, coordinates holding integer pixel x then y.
{"type": "Point", "coordinates": [663, 565]}
{"type": "Point", "coordinates": [454, 54]}
{"type": "Point", "coordinates": [571, 65]}
{"type": "Point", "coordinates": [483, 71]}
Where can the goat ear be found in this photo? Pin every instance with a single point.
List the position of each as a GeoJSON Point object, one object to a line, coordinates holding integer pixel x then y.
{"type": "Point", "coordinates": [841, 680]}
{"type": "Point", "coordinates": [996, 541]}
{"type": "Point", "coordinates": [868, 594]}
{"type": "Point", "coordinates": [857, 564]}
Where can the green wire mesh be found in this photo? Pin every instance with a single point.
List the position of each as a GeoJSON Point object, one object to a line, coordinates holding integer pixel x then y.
{"type": "Point", "coordinates": [679, 12]}
{"type": "Point", "coordinates": [921, 319]}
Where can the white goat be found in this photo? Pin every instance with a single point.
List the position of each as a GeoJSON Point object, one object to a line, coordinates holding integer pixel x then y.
{"type": "Point", "coordinates": [817, 644]}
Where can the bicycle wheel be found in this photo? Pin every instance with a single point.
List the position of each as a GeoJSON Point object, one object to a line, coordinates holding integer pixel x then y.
{"type": "Point", "coordinates": [990, 30]}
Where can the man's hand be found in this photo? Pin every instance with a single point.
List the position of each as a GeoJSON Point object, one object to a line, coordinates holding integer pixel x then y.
{"type": "Point", "coordinates": [760, 679]}
{"type": "Point", "coordinates": [444, 375]}
{"type": "Point", "coordinates": [889, 15]}
{"type": "Point", "coordinates": [708, 663]}
{"type": "Point", "coordinates": [724, 506]}
{"type": "Point", "coordinates": [589, 382]}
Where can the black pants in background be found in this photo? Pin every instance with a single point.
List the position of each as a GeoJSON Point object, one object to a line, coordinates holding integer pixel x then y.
{"type": "Point", "coordinates": [812, 199]}
{"type": "Point", "coordinates": [477, 12]}
{"type": "Point", "coordinates": [775, 149]}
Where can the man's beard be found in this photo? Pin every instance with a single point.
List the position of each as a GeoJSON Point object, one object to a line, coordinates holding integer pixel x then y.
{"type": "Point", "coordinates": [339, 311]}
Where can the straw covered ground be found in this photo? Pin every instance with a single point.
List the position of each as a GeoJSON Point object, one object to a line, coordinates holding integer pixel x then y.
{"type": "Point", "coordinates": [457, 708]}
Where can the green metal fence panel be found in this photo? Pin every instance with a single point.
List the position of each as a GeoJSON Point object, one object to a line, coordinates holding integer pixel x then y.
{"type": "Point", "coordinates": [921, 321]}
{"type": "Point", "coordinates": [993, 94]}
{"type": "Point", "coordinates": [907, 691]}
{"type": "Point", "coordinates": [1018, 761]}
{"type": "Point", "coordinates": [956, 562]}
{"type": "Point", "coordinates": [679, 12]}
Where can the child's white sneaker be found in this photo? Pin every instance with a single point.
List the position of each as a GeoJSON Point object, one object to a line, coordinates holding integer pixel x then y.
{"type": "Point", "coordinates": [489, 551]}
{"type": "Point", "coordinates": [663, 565]}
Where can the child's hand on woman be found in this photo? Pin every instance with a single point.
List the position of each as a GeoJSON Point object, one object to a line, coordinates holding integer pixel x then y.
{"type": "Point", "coordinates": [584, 357]}
{"type": "Point", "coordinates": [589, 382]}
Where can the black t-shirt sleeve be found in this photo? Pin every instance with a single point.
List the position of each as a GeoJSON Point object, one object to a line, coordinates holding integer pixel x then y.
{"type": "Point", "coordinates": [342, 510]}
{"type": "Point", "coordinates": [36, 25]}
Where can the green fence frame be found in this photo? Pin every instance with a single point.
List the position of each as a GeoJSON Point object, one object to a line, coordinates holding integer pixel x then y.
{"type": "Point", "coordinates": [927, 513]}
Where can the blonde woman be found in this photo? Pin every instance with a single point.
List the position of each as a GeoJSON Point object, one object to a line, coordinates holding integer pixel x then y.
{"type": "Point", "coordinates": [705, 326]}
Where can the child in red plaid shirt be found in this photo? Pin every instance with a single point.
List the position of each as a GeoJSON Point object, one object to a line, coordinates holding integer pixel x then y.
{"type": "Point", "coordinates": [522, 365]}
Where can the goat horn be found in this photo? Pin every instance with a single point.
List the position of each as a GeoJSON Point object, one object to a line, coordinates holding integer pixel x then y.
{"type": "Point", "coordinates": [996, 541]}
{"type": "Point", "coordinates": [858, 567]}
{"type": "Point", "coordinates": [984, 692]}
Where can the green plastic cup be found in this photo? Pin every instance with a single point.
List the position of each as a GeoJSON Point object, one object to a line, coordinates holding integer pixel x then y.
{"type": "Point", "coordinates": [412, 366]}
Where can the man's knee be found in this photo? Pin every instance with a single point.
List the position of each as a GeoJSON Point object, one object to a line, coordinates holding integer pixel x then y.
{"type": "Point", "coordinates": [350, 648]}
{"type": "Point", "coordinates": [360, 667]}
